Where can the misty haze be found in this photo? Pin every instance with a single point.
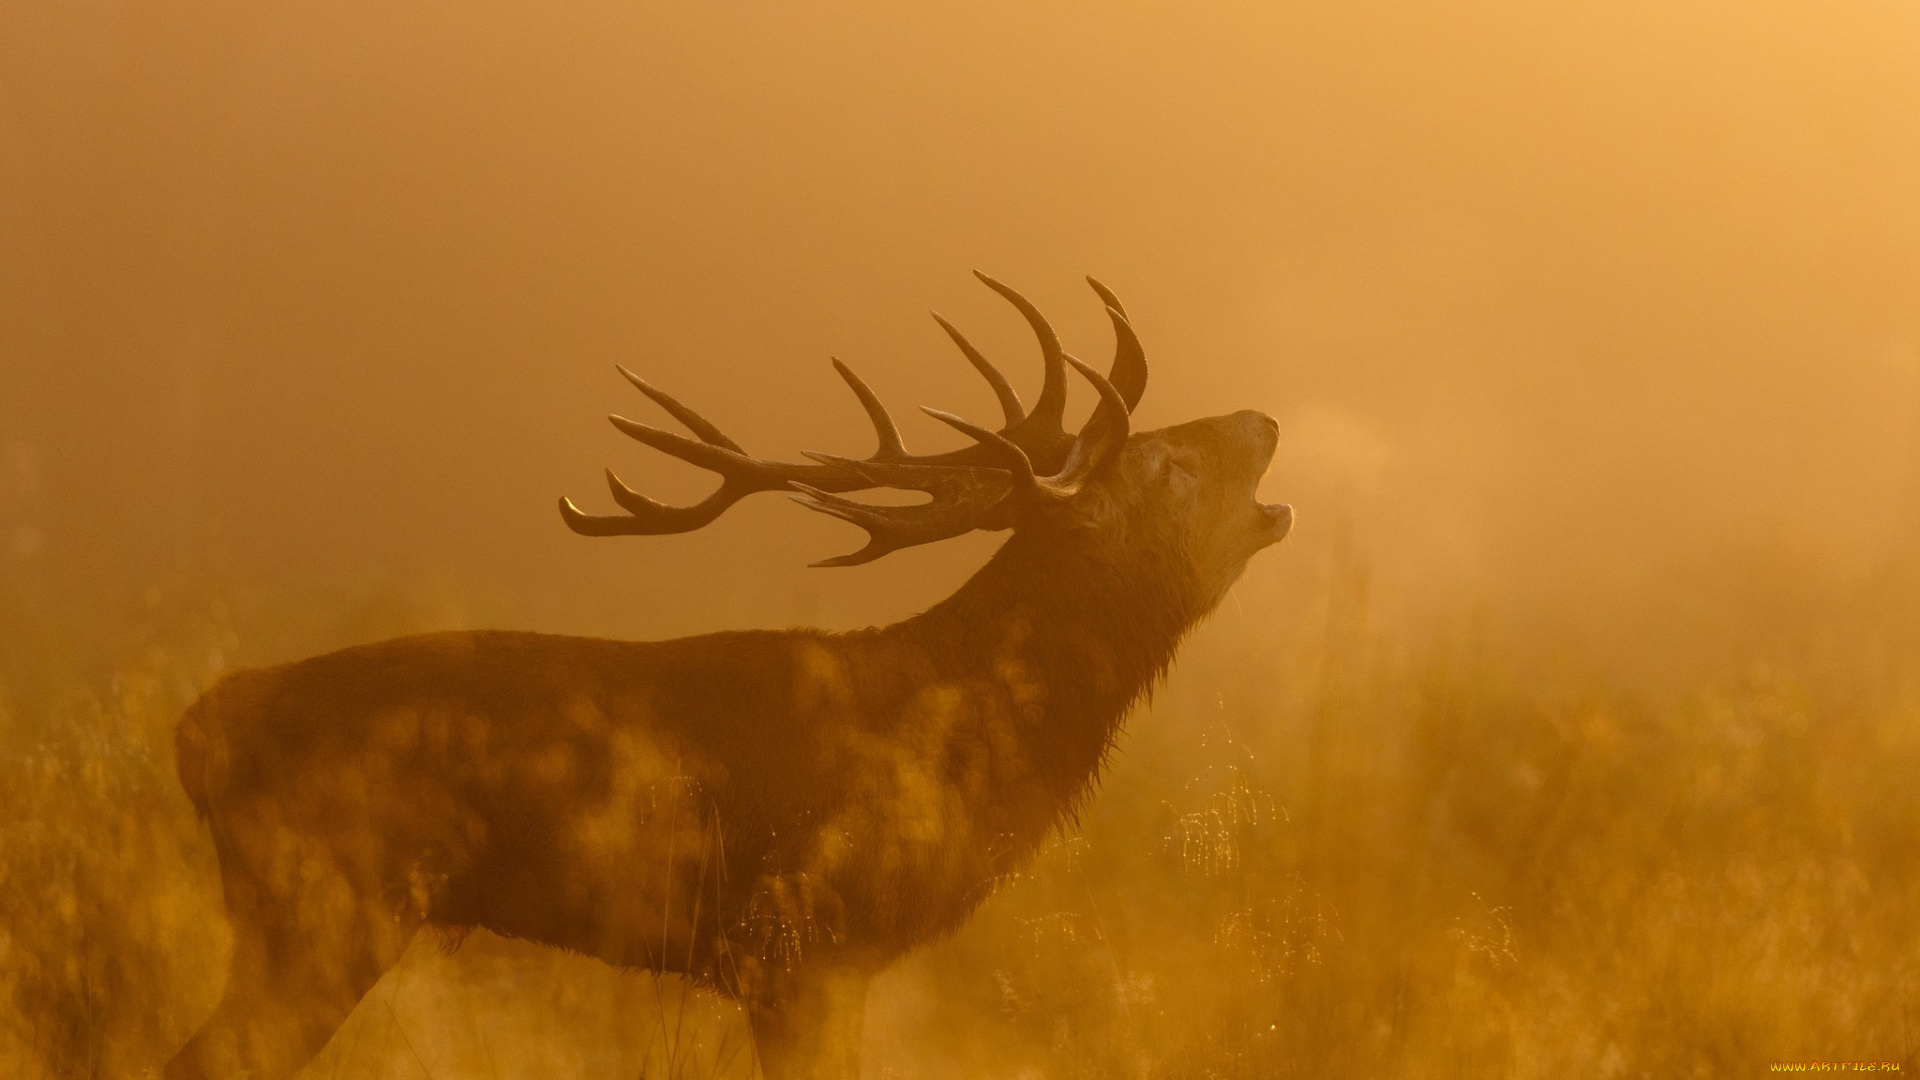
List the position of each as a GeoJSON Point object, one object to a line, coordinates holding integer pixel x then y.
{"type": "Point", "coordinates": [1565, 726]}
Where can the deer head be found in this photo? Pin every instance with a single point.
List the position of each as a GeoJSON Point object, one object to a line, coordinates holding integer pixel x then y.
{"type": "Point", "coordinates": [1182, 497]}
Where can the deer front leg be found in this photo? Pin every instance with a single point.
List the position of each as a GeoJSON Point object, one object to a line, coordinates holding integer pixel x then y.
{"type": "Point", "coordinates": [804, 989]}
{"type": "Point", "coordinates": [806, 1026]}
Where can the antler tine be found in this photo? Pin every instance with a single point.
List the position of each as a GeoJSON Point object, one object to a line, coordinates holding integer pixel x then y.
{"type": "Point", "coordinates": [1104, 434]}
{"type": "Point", "coordinates": [891, 448]}
{"type": "Point", "coordinates": [710, 456]}
{"type": "Point", "coordinates": [1106, 296]}
{"type": "Point", "coordinates": [696, 423]}
{"type": "Point", "coordinates": [1042, 426]}
{"type": "Point", "coordinates": [683, 519]}
{"type": "Point", "coordinates": [1010, 405]}
{"type": "Point", "coordinates": [1011, 457]}
{"type": "Point", "coordinates": [644, 516]}
{"type": "Point", "coordinates": [1129, 372]}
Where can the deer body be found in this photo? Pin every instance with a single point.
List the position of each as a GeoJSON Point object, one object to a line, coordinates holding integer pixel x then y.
{"type": "Point", "coordinates": [776, 814]}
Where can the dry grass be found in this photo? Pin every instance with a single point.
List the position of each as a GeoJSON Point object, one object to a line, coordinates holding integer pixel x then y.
{"type": "Point", "coordinates": [1422, 865]}
{"type": "Point", "coordinates": [1353, 852]}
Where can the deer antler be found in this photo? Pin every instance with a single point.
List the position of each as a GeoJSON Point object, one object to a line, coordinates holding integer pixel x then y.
{"type": "Point", "coordinates": [742, 475]}
{"type": "Point", "coordinates": [970, 486]}
{"type": "Point", "coordinates": [968, 497]}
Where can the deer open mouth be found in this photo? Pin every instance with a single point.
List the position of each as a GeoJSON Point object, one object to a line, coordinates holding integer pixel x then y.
{"type": "Point", "coordinates": [1278, 519]}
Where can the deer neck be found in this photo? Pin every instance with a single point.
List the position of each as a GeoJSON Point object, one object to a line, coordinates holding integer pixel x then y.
{"type": "Point", "coordinates": [1059, 638]}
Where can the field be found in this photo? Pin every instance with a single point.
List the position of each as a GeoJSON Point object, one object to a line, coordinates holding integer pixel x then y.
{"type": "Point", "coordinates": [1347, 843]}
{"type": "Point", "coordinates": [1572, 734]}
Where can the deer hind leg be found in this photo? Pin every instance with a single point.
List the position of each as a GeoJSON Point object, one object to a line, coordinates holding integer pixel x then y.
{"type": "Point", "coordinates": [307, 946]}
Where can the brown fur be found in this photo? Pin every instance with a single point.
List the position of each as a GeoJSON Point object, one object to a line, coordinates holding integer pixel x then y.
{"type": "Point", "coordinates": [777, 814]}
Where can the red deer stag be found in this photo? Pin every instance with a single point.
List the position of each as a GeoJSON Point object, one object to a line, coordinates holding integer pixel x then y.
{"type": "Point", "coordinates": [776, 814]}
